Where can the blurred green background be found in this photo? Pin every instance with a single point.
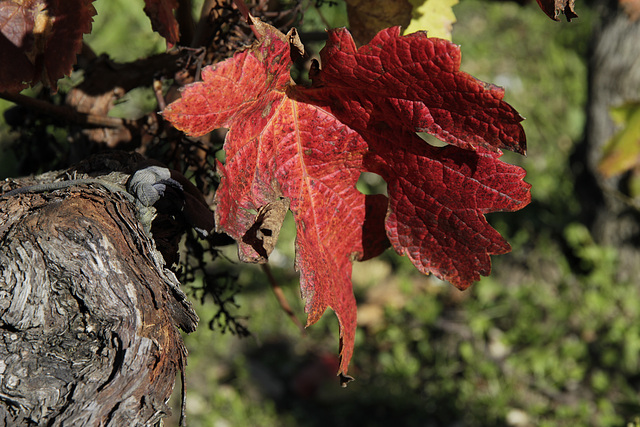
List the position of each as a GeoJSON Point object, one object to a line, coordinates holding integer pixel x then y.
{"type": "Point", "coordinates": [551, 338]}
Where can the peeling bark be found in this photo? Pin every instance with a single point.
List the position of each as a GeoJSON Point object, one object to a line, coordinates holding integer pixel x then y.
{"type": "Point", "coordinates": [88, 312]}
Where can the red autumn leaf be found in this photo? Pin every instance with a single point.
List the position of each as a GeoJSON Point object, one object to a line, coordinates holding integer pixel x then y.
{"type": "Point", "coordinates": [437, 201]}
{"type": "Point", "coordinates": [396, 86]}
{"type": "Point", "coordinates": [415, 85]}
{"type": "Point", "coordinates": [39, 40]}
{"type": "Point", "coordinates": [310, 146]}
{"type": "Point", "coordinates": [160, 12]}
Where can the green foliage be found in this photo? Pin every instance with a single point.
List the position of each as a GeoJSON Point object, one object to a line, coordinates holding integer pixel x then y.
{"type": "Point", "coordinates": [122, 30]}
{"type": "Point", "coordinates": [622, 152]}
{"type": "Point", "coordinates": [534, 340]}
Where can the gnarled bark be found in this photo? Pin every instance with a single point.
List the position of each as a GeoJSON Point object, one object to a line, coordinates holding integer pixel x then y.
{"type": "Point", "coordinates": [89, 314]}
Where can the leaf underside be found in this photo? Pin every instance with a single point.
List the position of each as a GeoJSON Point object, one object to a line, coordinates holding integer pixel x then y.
{"type": "Point", "coordinates": [160, 12]}
{"type": "Point", "coordinates": [309, 145]}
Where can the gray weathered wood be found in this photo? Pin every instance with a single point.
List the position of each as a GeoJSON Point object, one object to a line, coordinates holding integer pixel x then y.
{"type": "Point", "coordinates": [88, 312]}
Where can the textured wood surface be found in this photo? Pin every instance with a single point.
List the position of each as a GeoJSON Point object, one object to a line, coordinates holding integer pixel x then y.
{"type": "Point", "coordinates": [88, 312]}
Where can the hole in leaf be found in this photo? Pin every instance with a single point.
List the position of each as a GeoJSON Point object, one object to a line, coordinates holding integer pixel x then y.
{"type": "Point", "coordinates": [371, 183]}
{"type": "Point", "coordinates": [283, 255]}
{"type": "Point", "coordinates": [221, 156]}
{"type": "Point", "coordinates": [432, 140]}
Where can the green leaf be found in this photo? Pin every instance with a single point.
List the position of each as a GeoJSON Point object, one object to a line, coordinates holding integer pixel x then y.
{"type": "Point", "coordinates": [622, 152]}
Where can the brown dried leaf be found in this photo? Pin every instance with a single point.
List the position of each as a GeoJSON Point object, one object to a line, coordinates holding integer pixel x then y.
{"type": "Point", "coordinates": [261, 238]}
{"type": "Point", "coordinates": [554, 7]}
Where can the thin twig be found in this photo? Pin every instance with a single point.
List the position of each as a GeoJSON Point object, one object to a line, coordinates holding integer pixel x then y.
{"type": "Point", "coordinates": [282, 300]}
{"type": "Point", "coordinates": [625, 199]}
{"type": "Point", "coordinates": [183, 405]}
{"type": "Point", "coordinates": [157, 90]}
{"type": "Point", "coordinates": [64, 112]}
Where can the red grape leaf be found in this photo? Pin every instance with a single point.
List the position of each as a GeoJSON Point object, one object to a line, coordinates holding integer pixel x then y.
{"type": "Point", "coordinates": [39, 40]}
{"type": "Point", "coordinates": [277, 147]}
{"type": "Point", "coordinates": [160, 12]}
{"type": "Point", "coordinates": [281, 147]}
{"type": "Point", "coordinates": [412, 83]}
{"type": "Point", "coordinates": [437, 200]}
